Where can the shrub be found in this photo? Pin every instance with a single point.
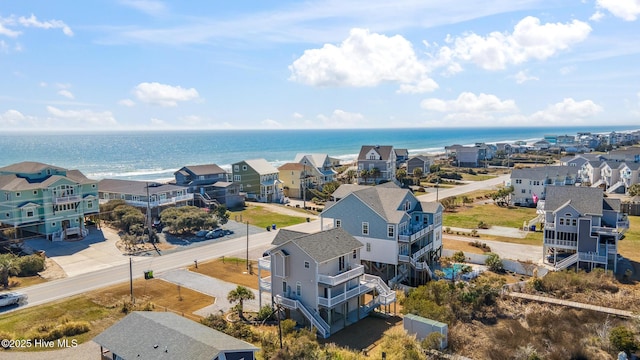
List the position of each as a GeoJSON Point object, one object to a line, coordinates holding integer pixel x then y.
{"type": "Point", "coordinates": [216, 322]}
{"type": "Point", "coordinates": [288, 326]}
{"type": "Point", "coordinates": [623, 339]}
{"type": "Point", "coordinates": [265, 313]}
{"type": "Point", "coordinates": [494, 263]}
{"type": "Point", "coordinates": [74, 328]}
{"type": "Point", "coordinates": [459, 257]}
{"type": "Point", "coordinates": [30, 265]}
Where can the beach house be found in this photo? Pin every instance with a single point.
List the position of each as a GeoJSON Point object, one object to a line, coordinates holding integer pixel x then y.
{"type": "Point", "coordinates": [581, 227]}
{"type": "Point", "coordinates": [258, 180]}
{"type": "Point", "coordinates": [165, 335]}
{"type": "Point", "coordinates": [210, 185]}
{"type": "Point", "coordinates": [529, 184]}
{"type": "Point", "coordinates": [376, 164]}
{"type": "Point", "coordinates": [422, 162]}
{"type": "Point", "coordinates": [402, 236]}
{"type": "Point", "coordinates": [146, 195]}
{"type": "Point", "coordinates": [42, 199]}
{"type": "Point", "coordinates": [319, 280]}
{"type": "Point", "coordinates": [318, 168]}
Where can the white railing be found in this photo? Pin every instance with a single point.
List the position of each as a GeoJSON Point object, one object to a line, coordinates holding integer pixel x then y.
{"type": "Point", "coordinates": [612, 249]}
{"type": "Point", "coordinates": [592, 258]}
{"type": "Point", "coordinates": [315, 319]}
{"type": "Point", "coordinates": [340, 278]}
{"type": "Point", "coordinates": [563, 264]}
{"type": "Point", "coordinates": [404, 258]}
{"type": "Point", "coordinates": [424, 250]}
{"type": "Point", "coordinates": [416, 235]}
{"type": "Point", "coordinates": [565, 243]}
{"type": "Point", "coordinates": [264, 263]}
{"type": "Point", "coordinates": [265, 283]}
{"type": "Point", "coordinates": [549, 226]}
{"type": "Point", "coordinates": [623, 224]}
{"type": "Point", "coordinates": [351, 293]}
{"type": "Point", "coordinates": [66, 199]}
{"type": "Point", "coordinates": [386, 295]}
{"type": "Point", "coordinates": [604, 230]}
{"type": "Point", "coordinates": [160, 202]}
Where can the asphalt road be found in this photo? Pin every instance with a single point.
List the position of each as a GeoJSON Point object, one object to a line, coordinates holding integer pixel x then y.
{"type": "Point", "coordinates": [464, 189]}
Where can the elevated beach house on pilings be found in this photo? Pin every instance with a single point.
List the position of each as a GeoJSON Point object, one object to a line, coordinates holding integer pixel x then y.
{"type": "Point", "coordinates": [144, 194]}
{"type": "Point", "coordinates": [210, 185]}
{"type": "Point", "coordinates": [402, 236]}
{"type": "Point", "coordinates": [582, 228]}
{"type": "Point", "coordinates": [42, 199]}
{"type": "Point", "coordinates": [376, 164]}
{"type": "Point", "coordinates": [259, 180]}
{"type": "Point", "coordinates": [319, 280]}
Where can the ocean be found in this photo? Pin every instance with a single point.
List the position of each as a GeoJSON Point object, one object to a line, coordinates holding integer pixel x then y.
{"type": "Point", "coordinates": [157, 155]}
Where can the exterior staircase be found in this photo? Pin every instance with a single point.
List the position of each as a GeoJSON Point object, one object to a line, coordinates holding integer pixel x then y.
{"type": "Point", "coordinates": [206, 199]}
{"type": "Point", "coordinates": [615, 187]}
{"type": "Point", "coordinates": [527, 224]}
{"type": "Point", "coordinates": [597, 183]}
{"type": "Point", "coordinates": [385, 296]}
{"type": "Point", "coordinates": [565, 263]}
{"type": "Point", "coordinates": [315, 319]}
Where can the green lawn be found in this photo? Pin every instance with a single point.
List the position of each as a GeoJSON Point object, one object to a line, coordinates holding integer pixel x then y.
{"type": "Point", "coordinates": [629, 247]}
{"type": "Point", "coordinates": [477, 177]}
{"type": "Point", "coordinates": [493, 215]}
{"type": "Point", "coordinates": [259, 216]}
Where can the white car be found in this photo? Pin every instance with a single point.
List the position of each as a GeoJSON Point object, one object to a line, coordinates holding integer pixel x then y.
{"type": "Point", "coordinates": [12, 298]}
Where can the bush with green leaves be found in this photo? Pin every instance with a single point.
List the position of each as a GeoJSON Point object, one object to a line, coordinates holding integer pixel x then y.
{"type": "Point", "coordinates": [494, 263]}
{"type": "Point", "coordinates": [459, 257]}
{"type": "Point", "coordinates": [30, 265]}
{"type": "Point", "coordinates": [623, 339]}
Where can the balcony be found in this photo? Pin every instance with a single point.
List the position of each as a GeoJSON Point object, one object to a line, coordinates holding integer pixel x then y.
{"type": "Point", "coordinates": [604, 230]}
{"type": "Point", "coordinates": [356, 291]}
{"type": "Point", "coordinates": [265, 284]}
{"type": "Point", "coordinates": [264, 263]}
{"type": "Point", "coordinates": [590, 257]}
{"type": "Point", "coordinates": [404, 258]}
{"type": "Point", "coordinates": [333, 280]}
{"type": "Point", "coordinates": [562, 243]}
{"type": "Point", "coordinates": [417, 234]}
{"type": "Point", "coordinates": [66, 199]}
{"type": "Point", "coordinates": [549, 226]}
{"type": "Point", "coordinates": [160, 202]}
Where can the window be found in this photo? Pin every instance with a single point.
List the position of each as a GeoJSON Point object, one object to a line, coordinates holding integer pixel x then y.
{"type": "Point", "coordinates": [368, 247]}
{"type": "Point", "coordinates": [365, 228]}
{"type": "Point", "coordinates": [341, 263]}
{"type": "Point", "coordinates": [354, 254]}
{"type": "Point", "coordinates": [53, 224]}
{"type": "Point", "coordinates": [29, 213]}
{"type": "Point", "coordinates": [7, 215]}
{"type": "Point", "coordinates": [35, 192]}
{"type": "Point", "coordinates": [338, 223]}
{"type": "Point", "coordinates": [93, 186]}
{"type": "Point", "coordinates": [306, 264]}
{"type": "Point", "coordinates": [298, 289]}
{"type": "Point", "coordinates": [524, 191]}
{"type": "Point", "coordinates": [17, 194]}
{"type": "Point", "coordinates": [573, 222]}
{"type": "Point", "coordinates": [236, 168]}
{"type": "Point", "coordinates": [89, 204]}
{"type": "Point", "coordinates": [237, 178]}
{"type": "Point", "coordinates": [244, 167]}
{"type": "Point", "coordinates": [390, 229]}
{"type": "Point", "coordinates": [284, 286]}
{"type": "Point", "coordinates": [518, 181]}
{"type": "Point", "coordinates": [561, 221]}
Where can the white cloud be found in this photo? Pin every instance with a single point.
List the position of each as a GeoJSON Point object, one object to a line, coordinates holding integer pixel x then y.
{"type": "Point", "coordinates": [471, 103]}
{"type": "Point", "coordinates": [12, 118]}
{"type": "Point", "coordinates": [32, 21]}
{"type": "Point", "coordinates": [163, 95]}
{"type": "Point", "coordinates": [627, 10]}
{"type": "Point", "coordinates": [568, 111]}
{"type": "Point", "coordinates": [6, 31]}
{"type": "Point", "coordinates": [150, 7]}
{"type": "Point", "coordinates": [66, 93]}
{"type": "Point", "coordinates": [297, 115]}
{"type": "Point", "coordinates": [597, 16]}
{"type": "Point", "coordinates": [565, 70]}
{"type": "Point", "coordinates": [363, 59]}
{"type": "Point", "coordinates": [127, 103]}
{"type": "Point", "coordinates": [83, 116]}
{"type": "Point", "coordinates": [341, 119]}
{"type": "Point", "coordinates": [270, 123]}
{"type": "Point", "coordinates": [529, 40]}
{"type": "Point", "coordinates": [522, 77]}
{"type": "Point", "coordinates": [157, 122]}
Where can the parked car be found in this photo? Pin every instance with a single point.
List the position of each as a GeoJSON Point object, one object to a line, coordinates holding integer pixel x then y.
{"type": "Point", "coordinates": [12, 298]}
{"type": "Point", "coordinates": [216, 233]}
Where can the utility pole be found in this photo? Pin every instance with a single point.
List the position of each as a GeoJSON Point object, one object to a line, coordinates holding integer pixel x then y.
{"type": "Point", "coordinates": [304, 185]}
{"type": "Point", "coordinates": [247, 246]}
{"type": "Point", "coordinates": [131, 279]}
{"type": "Point", "coordinates": [437, 188]}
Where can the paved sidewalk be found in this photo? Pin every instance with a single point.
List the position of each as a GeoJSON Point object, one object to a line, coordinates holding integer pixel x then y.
{"type": "Point", "coordinates": [213, 287]}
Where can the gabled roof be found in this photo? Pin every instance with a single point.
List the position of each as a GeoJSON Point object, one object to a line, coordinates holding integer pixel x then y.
{"type": "Point", "coordinates": [326, 245]}
{"type": "Point", "coordinates": [261, 166]}
{"type": "Point", "coordinates": [316, 160]}
{"type": "Point", "coordinates": [207, 169]}
{"type": "Point", "coordinates": [346, 189]}
{"type": "Point", "coordinates": [79, 177]}
{"type": "Point", "coordinates": [291, 166]}
{"type": "Point", "coordinates": [383, 150]}
{"type": "Point", "coordinates": [14, 183]}
{"type": "Point", "coordinates": [27, 167]}
{"type": "Point", "coordinates": [402, 152]}
{"type": "Point", "coordinates": [165, 335]}
{"type": "Point", "coordinates": [134, 187]}
{"type": "Point", "coordinates": [544, 172]}
{"type": "Point", "coordinates": [421, 158]}
{"type": "Point", "coordinates": [586, 200]}
{"type": "Point", "coordinates": [285, 235]}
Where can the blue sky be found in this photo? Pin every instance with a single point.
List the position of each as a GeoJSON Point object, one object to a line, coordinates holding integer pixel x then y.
{"type": "Point", "coordinates": [146, 64]}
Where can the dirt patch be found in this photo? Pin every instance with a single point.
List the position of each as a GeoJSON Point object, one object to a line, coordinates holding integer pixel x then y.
{"type": "Point", "coordinates": [52, 270]}
{"type": "Point", "coordinates": [459, 245]}
{"type": "Point", "coordinates": [365, 334]}
{"type": "Point", "coordinates": [231, 270]}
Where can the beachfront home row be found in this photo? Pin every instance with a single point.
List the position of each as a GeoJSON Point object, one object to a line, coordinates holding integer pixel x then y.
{"type": "Point", "coordinates": [581, 227]}
{"type": "Point", "coordinates": [402, 236]}
{"type": "Point", "coordinates": [529, 184]}
{"type": "Point", "coordinates": [320, 281]}
{"type": "Point", "coordinates": [37, 198]}
{"type": "Point", "coordinates": [615, 171]}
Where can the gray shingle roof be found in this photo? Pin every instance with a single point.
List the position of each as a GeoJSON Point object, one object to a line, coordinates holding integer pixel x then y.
{"type": "Point", "coordinates": [204, 169]}
{"type": "Point", "coordinates": [346, 189]}
{"type": "Point", "coordinates": [544, 172]}
{"type": "Point", "coordinates": [383, 150]}
{"type": "Point", "coordinates": [385, 201]}
{"type": "Point", "coordinates": [261, 166]}
{"type": "Point", "coordinates": [285, 235]}
{"type": "Point", "coordinates": [165, 335]}
{"type": "Point", "coordinates": [586, 200]}
{"type": "Point", "coordinates": [134, 187]}
{"type": "Point", "coordinates": [326, 245]}
{"type": "Point", "coordinates": [28, 167]}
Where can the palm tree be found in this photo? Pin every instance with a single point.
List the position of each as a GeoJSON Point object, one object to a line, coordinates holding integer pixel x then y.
{"type": "Point", "coordinates": [375, 173]}
{"type": "Point", "coordinates": [401, 174]}
{"type": "Point", "coordinates": [8, 266]}
{"type": "Point", "coordinates": [351, 174]}
{"type": "Point", "coordinates": [240, 294]}
{"type": "Point", "coordinates": [364, 173]}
